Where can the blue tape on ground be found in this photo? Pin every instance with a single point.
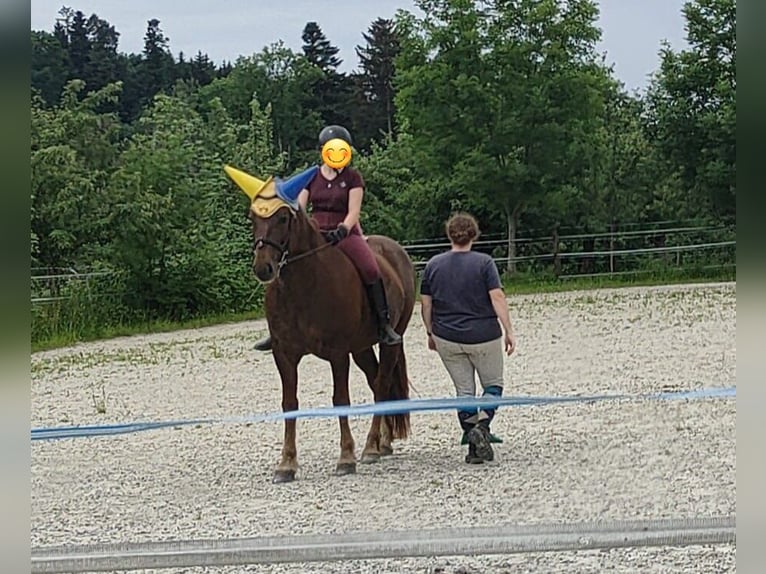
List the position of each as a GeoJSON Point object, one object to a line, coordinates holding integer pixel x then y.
{"type": "Point", "coordinates": [383, 408]}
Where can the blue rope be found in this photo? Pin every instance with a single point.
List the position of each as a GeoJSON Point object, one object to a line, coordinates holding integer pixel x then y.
{"type": "Point", "coordinates": [382, 408]}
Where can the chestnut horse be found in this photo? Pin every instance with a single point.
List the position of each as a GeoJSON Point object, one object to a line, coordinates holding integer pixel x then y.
{"type": "Point", "coordinates": [316, 304]}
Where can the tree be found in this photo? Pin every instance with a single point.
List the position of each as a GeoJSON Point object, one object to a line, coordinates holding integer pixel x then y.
{"type": "Point", "coordinates": [157, 66]}
{"type": "Point", "coordinates": [318, 49]}
{"type": "Point", "coordinates": [78, 44]}
{"type": "Point", "coordinates": [376, 109]}
{"type": "Point", "coordinates": [505, 96]}
{"type": "Point", "coordinates": [50, 66]}
{"type": "Point", "coordinates": [74, 150]}
{"type": "Point", "coordinates": [692, 110]}
{"type": "Point", "coordinates": [202, 69]}
{"type": "Point", "coordinates": [104, 64]}
{"type": "Point", "coordinates": [283, 80]}
{"type": "Point", "coordinates": [183, 247]}
{"type": "Point", "coordinates": [332, 92]}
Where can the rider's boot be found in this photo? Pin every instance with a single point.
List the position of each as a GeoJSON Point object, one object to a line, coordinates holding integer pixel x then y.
{"type": "Point", "coordinates": [386, 333]}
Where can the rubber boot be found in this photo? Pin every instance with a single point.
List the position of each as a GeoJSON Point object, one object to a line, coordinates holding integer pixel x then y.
{"type": "Point", "coordinates": [462, 418]}
{"type": "Point", "coordinates": [479, 436]}
{"type": "Point", "coordinates": [493, 391]}
{"type": "Point", "coordinates": [264, 344]}
{"type": "Point", "coordinates": [386, 333]}
{"type": "Point", "coordinates": [472, 457]}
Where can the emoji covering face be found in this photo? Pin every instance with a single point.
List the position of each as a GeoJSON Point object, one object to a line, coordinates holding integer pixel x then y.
{"type": "Point", "coordinates": [336, 153]}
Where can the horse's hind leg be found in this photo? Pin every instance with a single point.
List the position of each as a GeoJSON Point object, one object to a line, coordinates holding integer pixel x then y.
{"type": "Point", "coordinates": [379, 437]}
{"type": "Point", "coordinates": [347, 461]}
{"type": "Point", "coordinates": [288, 372]}
{"type": "Point", "coordinates": [385, 438]}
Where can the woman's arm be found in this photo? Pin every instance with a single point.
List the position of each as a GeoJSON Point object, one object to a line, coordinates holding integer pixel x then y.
{"type": "Point", "coordinates": [500, 305]}
{"type": "Point", "coordinates": [426, 304]}
{"type": "Point", "coordinates": [354, 207]}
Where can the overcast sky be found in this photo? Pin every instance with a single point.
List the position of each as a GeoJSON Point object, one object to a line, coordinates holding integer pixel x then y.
{"type": "Point", "coordinates": [224, 29]}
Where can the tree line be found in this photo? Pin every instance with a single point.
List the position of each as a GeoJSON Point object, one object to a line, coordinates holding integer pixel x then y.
{"type": "Point", "coordinates": [503, 108]}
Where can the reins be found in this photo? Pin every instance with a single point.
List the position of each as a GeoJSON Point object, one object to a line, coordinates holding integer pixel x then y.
{"type": "Point", "coordinates": [284, 258]}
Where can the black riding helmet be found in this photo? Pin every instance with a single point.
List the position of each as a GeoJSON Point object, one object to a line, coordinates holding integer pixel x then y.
{"type": "Point", "coordinates": [331, 132]}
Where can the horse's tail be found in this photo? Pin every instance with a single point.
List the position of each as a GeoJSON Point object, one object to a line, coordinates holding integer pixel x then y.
{"type": "Point", "coordinates": [395, 386]}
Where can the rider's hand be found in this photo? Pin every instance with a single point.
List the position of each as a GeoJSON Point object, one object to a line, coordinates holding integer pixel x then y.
{"type": "Point", "coordinates": [337, 235]}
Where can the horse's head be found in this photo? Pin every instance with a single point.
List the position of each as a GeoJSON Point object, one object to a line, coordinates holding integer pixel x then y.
{"type": "Point", "coordinates": [275, 218]}
{"type": "Point", "coordinates": [271, 240]}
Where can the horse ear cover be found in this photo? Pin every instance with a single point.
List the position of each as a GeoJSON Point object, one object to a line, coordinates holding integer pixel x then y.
{"type": "Point", "coordinates": [289, 190]}
{"type": "Point", "coordinates": [249, 184]}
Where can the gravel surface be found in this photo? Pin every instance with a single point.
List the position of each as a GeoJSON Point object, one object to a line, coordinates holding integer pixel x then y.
{"type": "Point", "coordinates": [573, 462]}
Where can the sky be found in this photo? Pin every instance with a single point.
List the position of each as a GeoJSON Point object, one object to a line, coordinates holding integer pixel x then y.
{"type": "Point", "coordinates": [632, 30]}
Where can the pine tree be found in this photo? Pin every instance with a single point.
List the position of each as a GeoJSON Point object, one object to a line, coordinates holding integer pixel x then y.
{"type": "Point", "coordinates": [318, 50]}
{"type": "Point", "coordinates": [103, 63]}
{"type": "Point", "coordinates": [375, 82]}
{"type": "Point", "coordinates": [333, 91]}
{"type": "Point", "coordinates": [157, 65]}
{"type": "Point", "coordinates": [78, 44]}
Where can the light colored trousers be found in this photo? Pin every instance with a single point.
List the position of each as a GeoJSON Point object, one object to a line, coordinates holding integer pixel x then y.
{"type": "Point", "coordinates": [463, 362]}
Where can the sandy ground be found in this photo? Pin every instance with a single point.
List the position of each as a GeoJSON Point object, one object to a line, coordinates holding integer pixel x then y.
{"type": "Point", "coordinates": [575, 462]}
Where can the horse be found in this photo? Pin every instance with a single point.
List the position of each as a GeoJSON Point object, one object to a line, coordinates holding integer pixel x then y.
{"type": "Point", "coordinates": [316, 304]}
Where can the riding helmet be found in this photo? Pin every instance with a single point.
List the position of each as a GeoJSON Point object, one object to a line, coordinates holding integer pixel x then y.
{"type": "Point", "coordinates": [331, 132]}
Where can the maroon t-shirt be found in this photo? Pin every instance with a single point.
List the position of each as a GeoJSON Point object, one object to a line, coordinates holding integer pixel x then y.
{"type": "Point", "coordinates": [329, 199]}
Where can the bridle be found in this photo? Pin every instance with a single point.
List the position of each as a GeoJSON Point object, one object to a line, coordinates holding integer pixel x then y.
{"type": "Point", "coordinates": [284, 253]}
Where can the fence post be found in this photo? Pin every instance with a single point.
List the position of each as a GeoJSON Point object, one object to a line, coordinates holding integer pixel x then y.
{"type": "Point", "coordinates": [556, 258]}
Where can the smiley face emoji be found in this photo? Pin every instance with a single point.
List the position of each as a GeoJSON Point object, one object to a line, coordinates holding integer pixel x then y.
{"type": "Point", "coordinates": [336, 153]}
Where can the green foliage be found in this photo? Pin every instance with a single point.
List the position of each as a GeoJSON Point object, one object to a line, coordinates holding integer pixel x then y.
{"type": "Point", "coordinates": [375, 110]}
{"type": "Point", "coordinates": [74, 149]}
{"type": "Point", "coordinates": [506, 99]}
{"type": "Point", "coordinates": [693, 111]}
{"type": "Point", "coordinates": [502, 108]}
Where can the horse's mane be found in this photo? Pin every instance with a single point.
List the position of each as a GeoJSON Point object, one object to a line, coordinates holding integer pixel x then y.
{"type": "Point", "coordinates": [308, 229]}
{"type": "Point", "coordinates": [312, 222]}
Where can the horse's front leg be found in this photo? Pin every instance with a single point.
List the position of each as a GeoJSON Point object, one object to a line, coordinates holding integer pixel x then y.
{"type": "Point", "coordinates": [347, 461]}
{"type": "Point", "coordinates": [287, 365]}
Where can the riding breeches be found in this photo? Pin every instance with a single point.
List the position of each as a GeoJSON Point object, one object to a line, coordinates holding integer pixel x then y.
{"type": "Point", "coordinates": [356, 248]}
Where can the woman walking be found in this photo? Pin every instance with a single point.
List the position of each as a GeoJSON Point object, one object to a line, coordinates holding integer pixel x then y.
{"type": "Point", "coordinates": [463, 308]}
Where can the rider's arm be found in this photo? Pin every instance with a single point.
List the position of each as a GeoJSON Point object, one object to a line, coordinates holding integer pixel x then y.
{"type": "Point", "coordinates": [303, 199]}
{"type": "Point", "coordinates": [354, 207]}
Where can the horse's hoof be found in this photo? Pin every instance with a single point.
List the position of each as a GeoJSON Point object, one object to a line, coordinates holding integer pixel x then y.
{"type": "Point", "coordinates": [344, 468]}
{"type": "Point", "coordinates": [281, 476]}
{"type": "Point", "coordinates": [386, 451]}
{"type": "Point", "coordinates": [370, 458]}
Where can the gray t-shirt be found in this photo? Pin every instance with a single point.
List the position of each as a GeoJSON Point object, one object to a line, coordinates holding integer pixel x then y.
{"type": "Point", "coordinates": [459, 283]}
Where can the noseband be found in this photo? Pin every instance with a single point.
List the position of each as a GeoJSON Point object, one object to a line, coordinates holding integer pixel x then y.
{"type": "Point", "coordinates": [282, 249]}
{"type": "Point", "coordinates": [284, 253]}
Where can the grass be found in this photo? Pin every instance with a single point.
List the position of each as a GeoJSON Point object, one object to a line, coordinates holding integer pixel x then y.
{"type": "Point", "coordinates": [69, 337]}
{"type": "Point", "coordinates": [518, 286]}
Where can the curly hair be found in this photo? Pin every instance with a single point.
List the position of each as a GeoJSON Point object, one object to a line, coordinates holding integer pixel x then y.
{"type": "Point", "coordinates": [462, 228]}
